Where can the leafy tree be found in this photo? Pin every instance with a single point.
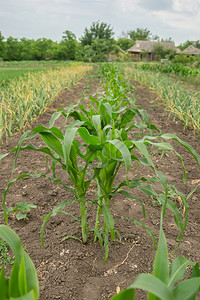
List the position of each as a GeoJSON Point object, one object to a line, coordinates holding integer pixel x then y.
{"type": "Point", "coordinates": [99, 41]}
{"type": "Point", "coordinates": [2, 46]}
{"type": "Point", "coordinates": [41, 49]}
{"type": "Point", "coordinates": [140, 34]}
{"type": "Point", "coordinates": [27, 49]}
{"type": "Point", "coordinates": [124, 43]}
{"type": "Point", "coordinates": [97, 30]}
{"type": "Point", "coordinates": [161, 52]}
{"type": "Point", "coordinates": [12, 49]}
{"type": "Point", "coordinates": [188, 43]}
{"type": "Point", "coordinates": [67, 49]}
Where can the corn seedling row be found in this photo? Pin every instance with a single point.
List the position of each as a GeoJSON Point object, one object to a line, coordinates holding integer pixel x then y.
{"type": "Point", "coordinates": [23, 100]}
{"type": "Point", "coordinates": [110, 133]}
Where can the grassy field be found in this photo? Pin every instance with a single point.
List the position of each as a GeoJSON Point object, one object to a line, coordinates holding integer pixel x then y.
{"type": "Point", "coordinates": [15, 69]}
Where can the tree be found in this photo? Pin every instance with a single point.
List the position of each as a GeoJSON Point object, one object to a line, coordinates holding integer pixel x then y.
{"type": "Point", "coordinates": [67, 49]}
{"type": "Point", "coordinates": [97, 30]}
{"type": "Point", "coordinates": [2, 46]}
{"type": "Point", "coordinates": [140, 34]}
{"type": "Point", "coordinates": [97, 41]}
{"type": "Point", "coordinates": [124, 43]}
{"type": "Point", "coordinates": [41, 48]}
{"type": "Point", "coordinates": [162, 52]}
{"type": "Point", "coordinates": [12, 49]}
{"type": "Point", "coordinates": [188, 43]}
{"type": "Point", "coordinates": [27, 49]}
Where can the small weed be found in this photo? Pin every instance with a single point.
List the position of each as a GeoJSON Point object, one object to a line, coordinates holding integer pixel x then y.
{"type": "Point", "coordinates": [5, 258]}
{"type": "Point", "coordinates": [21, 210]}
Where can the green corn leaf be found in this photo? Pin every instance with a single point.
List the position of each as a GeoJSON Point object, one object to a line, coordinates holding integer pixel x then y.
{"type": "Point", "coordinates": [21, 140]}
{"type": "Point", "coordinates": [153, 285]}
{"type": "Point", "coordinates": [82, 107]}
{"type": "Point", "coordinates": [161, 264]}
{"type": "Point", "coordinates": [68, 140]}
{"type": "Point", "coordinates": [127, 117]}
{"type": "Point", "coordinates": [3, 285]}
{"type": "Point", "coordinates": [29, 296]}
{"type": "Point", "coordinates": [124, 152]}
{"type": "Point", "coordinates": [109, 221]}
{"type": "Point", "coordinates": [173, 208]}
{"type": "Point", "coordinates": [13, 282]}
{"type": "Point", "coordinates": [13, 241]}
{"type": "Point", "coordinates": [53, 143]}
{"type": "Point", "coordinates": [22, 281]}
{"type": "Point", "coordinates": [45, 219]}
{"type": "Point", "coordinates": [54, 117]}
{"type": "Point", "coordinates": [96, 119]}
{"type": "Point", "coordinates": [8, 235]}
{"type": "Point", "coordinates": [196, 271]}
{"type": "Point", "coordinates": [71, 237]}
{"type": "Point", "coordinates": [128, 294]}
{"type": "Point", "coordinates": [143, 150]}
{"type": "Point", "coordinates": [57, 132]}
{"type": "Point", "coordinates": [168, 136]}
{"type": "Point", "coordinates": [178, 268]}
{"type": "Point", "coordinates": [187, 289]}
{"type": "Point", "coordinates": [87, 138]}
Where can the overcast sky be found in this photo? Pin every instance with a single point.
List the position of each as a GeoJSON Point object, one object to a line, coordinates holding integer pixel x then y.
{"type": "Point", "coordinates": [178, 19]}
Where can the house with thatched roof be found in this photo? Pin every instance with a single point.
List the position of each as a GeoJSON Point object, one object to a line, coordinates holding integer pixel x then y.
{"type": "Point", "coordinates": [147, 47]}
{"type": "Point", "coordinates": [191, 50]}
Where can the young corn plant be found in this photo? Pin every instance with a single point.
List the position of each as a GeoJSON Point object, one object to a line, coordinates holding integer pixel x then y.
{"type": "Point", "coordinates": [23, 282]}
{"type": "Point", "coordinates": [99, 139]}
{"type": "Point", "coordinates": [167, 281]}
{"type": "Point", "coordinates": [63, 150]}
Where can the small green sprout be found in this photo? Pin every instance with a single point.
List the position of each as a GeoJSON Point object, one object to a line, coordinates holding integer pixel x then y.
{"type": "Point", "coordinates": [21, 210]}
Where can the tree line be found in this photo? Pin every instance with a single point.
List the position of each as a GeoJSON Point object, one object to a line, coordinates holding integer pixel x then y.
{"type": "Point", "coordinates": [94, 45]}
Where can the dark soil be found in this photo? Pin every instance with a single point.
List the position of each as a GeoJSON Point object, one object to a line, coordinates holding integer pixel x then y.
{"type": "Point", "coordinates": [71, 270]}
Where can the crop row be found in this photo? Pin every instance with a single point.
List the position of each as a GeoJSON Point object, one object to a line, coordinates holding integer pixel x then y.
{"type": "Point", "coordinates": [108, 134]}
{"type": "Point", "coordinates": [177, 69]}
{"type": "Point", "coordinates": [180, 102]}
{"type": "Point", "coordinates": [23, 100]}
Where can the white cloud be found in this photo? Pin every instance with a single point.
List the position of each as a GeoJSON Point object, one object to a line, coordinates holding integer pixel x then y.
{"type": "Point", "coordinates": [186, 6]}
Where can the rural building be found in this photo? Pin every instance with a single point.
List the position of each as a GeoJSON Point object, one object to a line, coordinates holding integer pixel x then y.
{"type": "Point", "coordinates": [146, 48]}
{"type": "Point", "coordinates": [191, 50]}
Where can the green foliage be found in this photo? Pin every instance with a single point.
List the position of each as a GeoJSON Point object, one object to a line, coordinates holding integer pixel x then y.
{"type": "Point", "coordinates": [181, 102]}
{"type": "Point", "coordinates": [167, 281]}
{"type": "Point", "coordinates": [23, 281]}
{"type": "Point", "coordinates": [162, 52]}
{"type": "Point", "coordinates": [96, 42]}
{"type": "Point", "coordinates": [21, 210]}
{"type": "Point", "coordinates": [5, 257]}
{"type": "Point", "coordinates": [140, 34]}
{"type": "Point", "coordinates": [102, 31]}
{"type": "Point", "coordinates": [188, 43]}
{"type": "Point", "coordinates": [67, 49]}
{"type": "Point", "coordinates": [95, 145]}
{"type": "Point", "coordinates": [124, 43]}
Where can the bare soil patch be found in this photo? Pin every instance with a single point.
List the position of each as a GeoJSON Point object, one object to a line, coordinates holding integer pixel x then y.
{"type": "Point", "coordinates": [71, 270]}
